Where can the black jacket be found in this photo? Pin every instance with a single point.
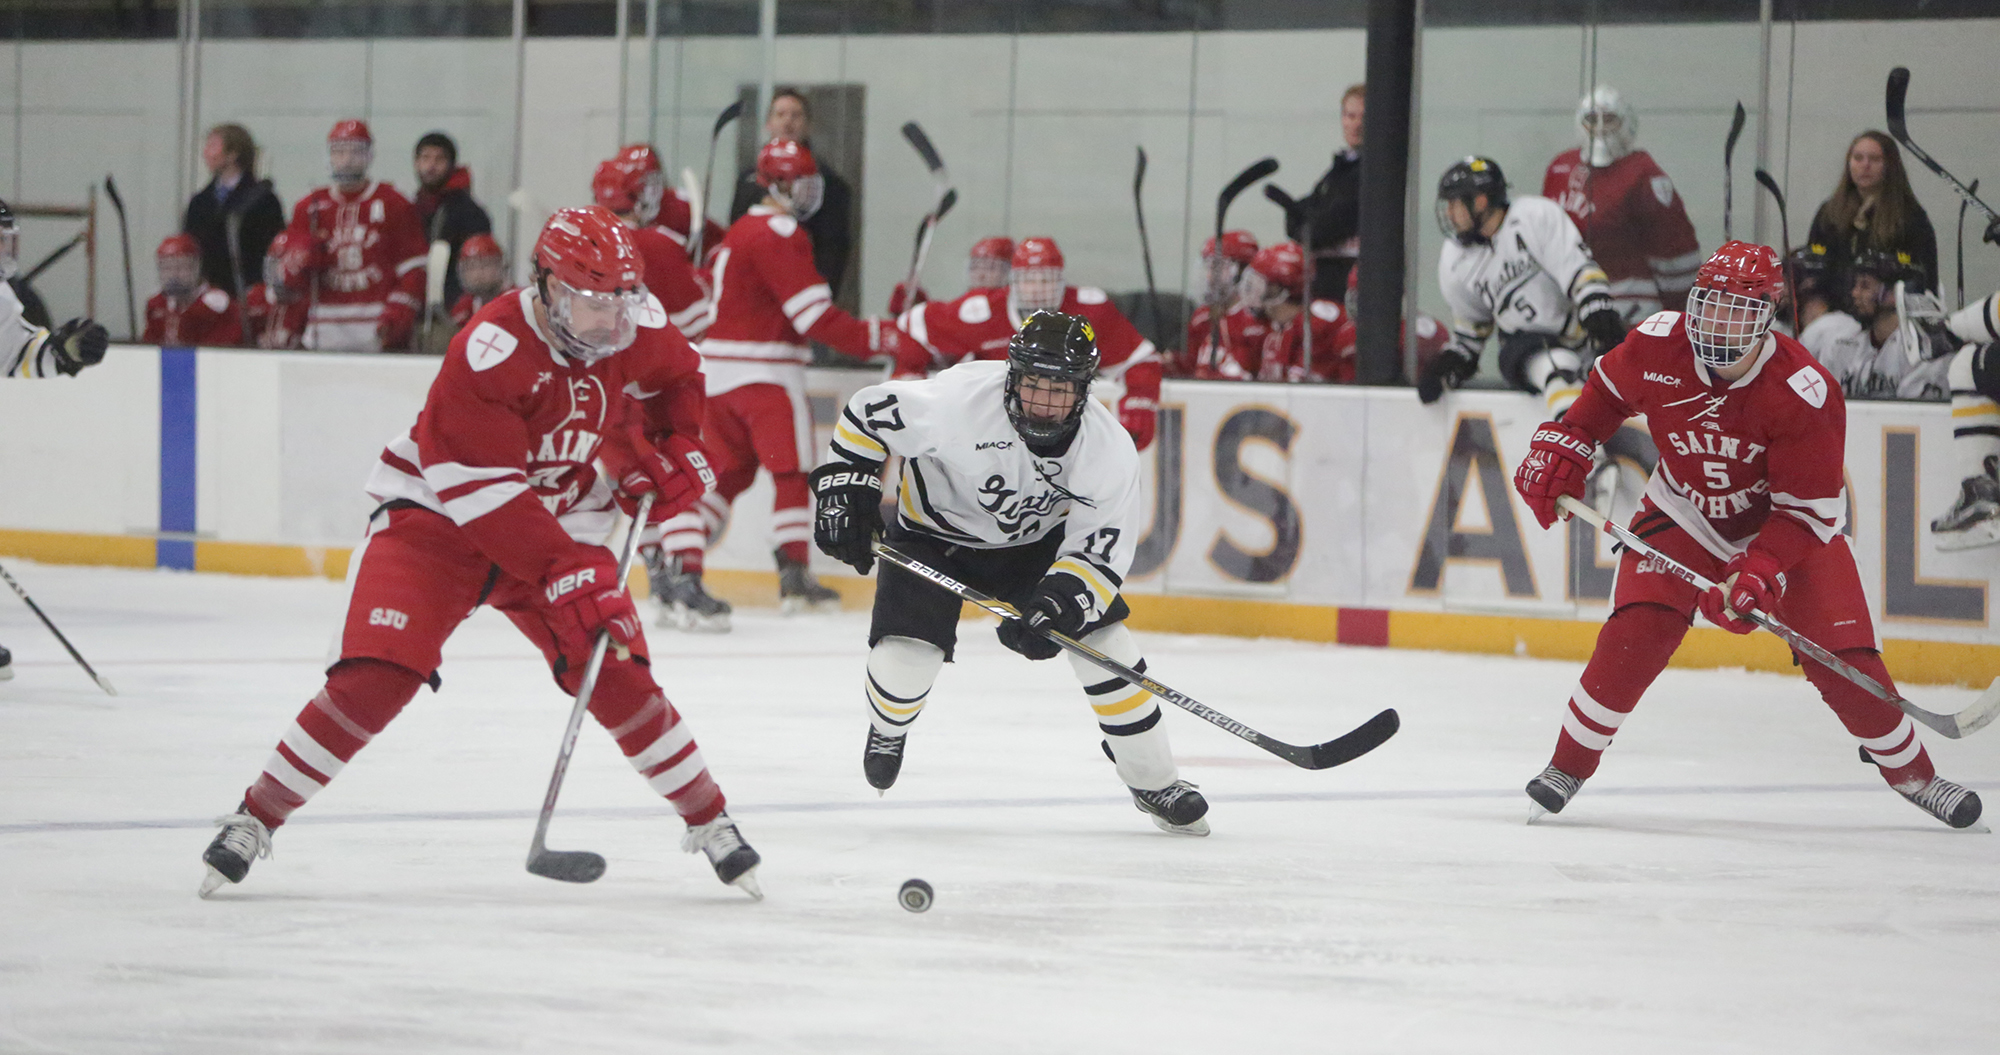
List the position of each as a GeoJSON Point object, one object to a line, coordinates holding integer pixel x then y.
{"type": "Point", "coordinates": [832, 227]}
{"type": "Point", "coordinates": [1919, 240]}
{"type": "Point", "coordinates": [262, 217]}
{"type": "Point", "coordinates": [1333, 211]}
{"type": "Point", "coordinates": [451, 214]}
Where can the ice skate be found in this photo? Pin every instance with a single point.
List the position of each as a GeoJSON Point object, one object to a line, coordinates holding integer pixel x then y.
{"type": "Point", "coordinates": [1974, 520]}
{"type": "Point", "coordinates": [882, 759]}
{"type": "Point", "coordinates": [1176, 808]}
{"type": "Point", "coordinates": [243, 839]}
{"type": "Point", "coordinates": [800, 592]}
{"type": "Point", "coordinates": [684, 604]}
{"type": "Point", "coordinates": [1954, 804]}
{"type": "Point", "coordinates": [6, 663]}
{"type": "Point", "coordinates": [734, 861]}
{"type": "Point", "coordinates": [1551, 790]}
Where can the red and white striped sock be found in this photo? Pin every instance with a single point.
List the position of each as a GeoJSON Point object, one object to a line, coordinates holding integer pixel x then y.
{"type": "Point", "coordinates": [661, 747]}
{"type": "Point", "coordinates": [1632, 650]}
{"type": "Point", "coordinates": [1885, 733]}
{"type": "Point", "coordinates": [361, 697]}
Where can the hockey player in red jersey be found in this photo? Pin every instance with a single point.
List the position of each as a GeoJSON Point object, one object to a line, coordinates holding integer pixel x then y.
{"type": "Point", "coordinates": [494, 497]}
{"type": "Point", "coordinates": [1629, 213]}
{"type": "Point", "coordinates": [364, 264]}
{"type": "Point", "coordinates": [1268, 331]}
{"type": "Point", "coordinates": [769, 301]}
{"type": "Point", "coordinates": [668, 209]}
{"type": "Point", "coordinates": [186, 310]}
{"type": "Point", "coordinates": [624, 186]}
{"type": "Point", "coordinates": [482, 272]}
{"type": "Point", "coordinates": [274, 309]}
{"type": "Point", "coordinates": [986, 267]}
{"type": "Point", "coordinates": [1748, 493]}
{"type": "Point", "coordinates": [1224, 274]}
{"type": "Point", "coordinates": [979, 324]}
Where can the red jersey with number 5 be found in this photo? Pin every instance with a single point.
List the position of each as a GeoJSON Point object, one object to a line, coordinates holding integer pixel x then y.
{"type": "Point", "coordinates": [1736, 458]}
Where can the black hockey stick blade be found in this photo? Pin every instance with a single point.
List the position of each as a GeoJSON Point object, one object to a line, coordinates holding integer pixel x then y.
{"type": "Point", "coordinates": [1728, 179]}
{"type": "Point", "coordinates": [1899, 127]}
{"type": "Point", "coordinates": [1370, 735]}
{"type": "Point", "coordinates": [914, 132]}
{"type": "Point", "coordinates": [1139, 173]}
{"type": "Point", "coordinates": [1282, 200]}
{"type": "Point", "coordinates": [1769, 183]}
{"type": "Point", "coordinates": [1257, 171]}
{"type": "Point", "coordinates": [568, 866]}
{"type": "Point", "coordinates": [729, 113]}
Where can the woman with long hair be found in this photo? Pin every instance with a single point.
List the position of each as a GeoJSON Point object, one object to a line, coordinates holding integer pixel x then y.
{"type": "Point", "coordinates": [1874, 208]}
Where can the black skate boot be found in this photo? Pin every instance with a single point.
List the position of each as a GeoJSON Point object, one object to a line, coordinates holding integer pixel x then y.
{"type": "Point", "coordinates": [243, 839]}
{"type": "Point", "coordinates": [6, 663]}
{"type": "Point", "coordinates": [684, 605]}
{"type": "Point", "coordinates": [882, 759]}
{"type": "Point", "coordinates": [734, 861]}
{"type": "Point", "coordinates": [1974, 520]}
{"type": "Point", "coordinates": [800, 591]}
{"type": "Point", "coordinates": [1954, 804]}
{"type": "Point", "coordinates": [1551, 791]}
{"type": "Point", "coordinates": [1176, 808]}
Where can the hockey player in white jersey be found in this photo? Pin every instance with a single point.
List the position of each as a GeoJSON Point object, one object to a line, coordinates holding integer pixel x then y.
{"type": "Point", "coordinates": [1974, 372]}
{"type": "Point", "coordinates": [1016, 483]}
{"type": "Point", "coordinates": [28, 350]}
{"type": "Point", "coordinates": [1519, 267]}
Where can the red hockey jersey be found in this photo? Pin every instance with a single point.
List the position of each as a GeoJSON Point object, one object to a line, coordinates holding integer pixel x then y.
{"type": "Point", "coordinates": [674, 221]}
{"type": "Point", "coordinates": [979, 324]}
{"type": "Point", "coordinates": [369, 281]}
{"type": "Point", "coordinates": [506, 441]}
{"type": "Point", "coordinates": [1758, 458]}
{"type": "Point", "coordinates": [469, 305]}
{"type": "Point", "coordinates": [207, 317]}
{"type": "Point", "coordinates": [1634, 223]}
{"type": "Point", "coordinates": [672, 279]}
{"type": "Point", "coordinates": [1255, 350]}
{"type": "Point", "coordinates": [768, 302]}
{"type": "Point", "coordinates": [273, 325]}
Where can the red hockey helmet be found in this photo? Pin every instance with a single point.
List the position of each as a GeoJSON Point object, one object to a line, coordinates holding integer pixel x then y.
{"type": "Point", "coordinates": [482, 268]}
{"type": "Point", "coordinates": [480, 247]}
{"type": "Point", "coordinates": [625, 185]}
{"type": "Point", "coordinates": [1734, 296]}
{"type": "Point", "coordinates": [1239, 246]}
{"type": "Point", "coordinates": [178, 245]}
{"type": "Point", "coordinates": [1036, 281]}
{"type": "Point", "coordinates": [989, 263]}
{"type": "Point", "coordinates": [590, 275]}
{"type": "Point", "coordinates": [179, 260]}
{"type": "Point", "coordinates": [350, 130]}
{"type": "Point", "coordinates": [785, 168]}
{"type": "Point", "coordinates": [998, 247]}
{"type": "Point", "coordinates": [644, 154]}
{"type": "Point", "coordinates": [1280, 272]}
{"type": "Point", "coordinates": [349, 149]}
{"type": "Point", "coordinates": [287, 264]}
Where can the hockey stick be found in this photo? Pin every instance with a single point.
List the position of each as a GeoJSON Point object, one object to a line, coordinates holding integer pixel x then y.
{"type": "Point", "coordinates": [1965, 722]}
{"type": "Point", "coordinates": [125, 244]}
{"type": "Point", "coordinates": [1366, 737]}
{"type": "Point", "coordinates": [1962, 205]}
{"type": "Point", "coordinates": [62, 250]}
{"type": "Point", "coordinates": [947, 196]}
{"type": "Point", "coordinates": [1146, 247]}
{"type": "Point", "coordinates": [698, 222]}
{"type": "Point", "coordinates": [1899, 88]}
{"type": "Point", "coordinates": [1257, 171]}
{"type": "Point", "coordinates": [1784, 234]}
{"type": "Point", "coordinates": [581, 866]}
{"type": "Point", "coordinates": [1728, 177]}
{"type": "Point", "coordinates": [102, 682]}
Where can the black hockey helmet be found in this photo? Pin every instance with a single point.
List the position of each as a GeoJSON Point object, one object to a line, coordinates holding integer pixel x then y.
{"type": "Point", "coordinates": [1056, 347]}
{"type": "Point", "coordinates": [1809, 275]}
{"type": "Point", "coordinates": [1464, 181]}
{"type": "Point", "coordinates": [1889, 267]}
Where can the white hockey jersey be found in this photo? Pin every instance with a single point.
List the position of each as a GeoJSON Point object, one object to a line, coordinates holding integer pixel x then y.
{"type": "Point", "coordinates": [968, 477]}
{"type": "Point", "coordinates": [24, 346]}
{"type": "Point", "coordinates": [1528, 279]}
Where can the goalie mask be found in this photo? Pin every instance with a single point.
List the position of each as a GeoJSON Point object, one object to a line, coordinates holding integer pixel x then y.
{"type": "Point", "coordinates": [1609, 126]}
{"type": "Point", "coordinates": [1730, 307]}
{"type": "Point", "coordinates": [1036, 281]}
{"type": "Point", "coordinates": [786, 170]}
{"type": "Point", "coordinates": [1464, 184]}
{"type": "Point", "coordinates": [1049, 367]}
{"type": "Point", "coordinates": [591, 278]}
{"type": "Point", "coordinates": [179, 261]}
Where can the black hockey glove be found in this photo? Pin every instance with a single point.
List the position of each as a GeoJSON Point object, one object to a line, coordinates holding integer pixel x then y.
{"type": "Point", "coordinates": [849, 514]}
{"type": "Point", "coordinates": [1061, 603]}
{"type": "Point", "coordinates": [1453, 367]}
{"type": "Point", "coordinates": [1602, 323]}
{"type": "Point", "coordinates": [78, 343]}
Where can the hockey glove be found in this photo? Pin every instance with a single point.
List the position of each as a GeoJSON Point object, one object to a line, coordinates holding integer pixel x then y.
{"type": "Point", "coordinates": [677, 472]}
{"type": "Point", "coordinates": [886, 339]}
{"type": "Point", "coordinates": [1140, 416]}
{"type": "Point", "coordinates": [1453, 367]}
{"type": "Point", "coordinates": [394, 328]}
{"type": "Point", "coordinates": [1750, 583]}
{"type": "Point", "coordinates": [1061, 603]}
{"type": "Point", "coordinates": [1558, 464]}
{"type": "Point", "coordinates": [900, 300]}
{"type": "Point", "coordinates": [1602, 322]}
{"type": "Point", "coordinates": [78, 343]}
{"type": "Point", "coordinates": [584, 596]}
{"type": "Point", "coordinates": [849, 512]}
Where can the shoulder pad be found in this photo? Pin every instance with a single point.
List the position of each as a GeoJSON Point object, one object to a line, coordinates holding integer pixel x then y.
{"type": "Point", "coordinates": [652, 315]}
{"type": "Point", "coordinates": [1811, 386]}
{"type": "Point", "coordinates": [1660, 323]}
{"type": "Point", "coordinates": [1327, 310]}
{"type": "Point", "coordinates": [1091, 295]}
{"type": "Point", "coordinates": [785, 226]}
{"type": "Point", "coordinates": [216, 301]}
{"type": "Point", "coordinates": [975, 309]}
{"type": "Point", "coordinates": [488, 346]}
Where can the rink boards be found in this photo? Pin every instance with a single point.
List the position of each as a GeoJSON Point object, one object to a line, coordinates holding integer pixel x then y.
{"type": "Point", "coordinates": [1324, 513]}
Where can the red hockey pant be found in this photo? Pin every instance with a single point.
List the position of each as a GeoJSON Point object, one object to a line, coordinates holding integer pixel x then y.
{"type": "Point", "coordinates": [765, 425]}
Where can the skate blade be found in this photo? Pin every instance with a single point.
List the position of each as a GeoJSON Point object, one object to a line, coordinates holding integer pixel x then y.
{"type": "Point", "coordinates": [691, 623]}
{"type": "Point", "coordinates": [747, 882]}
{"type": "Point", "coordinates": [807, 606]}
{"type": "Point", "coordinates": [7, 672]}
{"type": "Point", "coordinates": [211, 882]}
{"type": "Point", "coordinates": [1536, 812]}
{"type": "Point", "coordinates": [1971, 538]}
{"type": "Point", "coordinates": [1198, 828]}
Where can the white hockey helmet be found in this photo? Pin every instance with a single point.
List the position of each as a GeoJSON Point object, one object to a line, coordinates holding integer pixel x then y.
{"type": "Point", "coordinates": [1608, 125]}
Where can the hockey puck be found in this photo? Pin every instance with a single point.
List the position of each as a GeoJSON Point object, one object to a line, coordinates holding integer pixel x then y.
{"type": "Point", "coordinates": [915, 896]}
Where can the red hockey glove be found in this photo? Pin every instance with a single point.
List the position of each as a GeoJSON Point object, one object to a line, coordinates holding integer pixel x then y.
{"type": "Point", "coordinates": [677, 472]}
{"type": "Point", "coordinates": [1557, 464]}
{"type": "Point", "coordinates": [886, 339]}
{"type": "Point", "coordinates": [900, 301]}
{"type": "Point", "coordinates": [584, 596]}
{"type": "Point", "coordinates": [1750, 583]}
{"type": "Point", "coordinates": [395, 326]}
{"type": "Point", "coordinates": [1140, 416]}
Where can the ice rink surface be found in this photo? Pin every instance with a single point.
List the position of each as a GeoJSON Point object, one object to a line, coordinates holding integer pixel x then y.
{"type": "Point", "coordinates": [1733, 880]}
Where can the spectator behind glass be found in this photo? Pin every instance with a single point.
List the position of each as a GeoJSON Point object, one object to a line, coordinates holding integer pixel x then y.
{"type": "Point", "coordinates": [831, 226]}
{"type": "Point", "coordinates": [236, 215]}
{"type": "Point", "coordinates": [1333, 209]}
{"type": "Point", "coordinates": [1873, 208]}
{"type": "Point", "coordinates": [444, 203]}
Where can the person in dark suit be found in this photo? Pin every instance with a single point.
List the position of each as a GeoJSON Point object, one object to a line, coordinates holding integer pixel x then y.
{"type": "Point", "coordinates": [1330, 217]}
{"type": "Point", "coordinates": [236, 215]}
{"type": "Point", "coordinates": [831, 227]}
